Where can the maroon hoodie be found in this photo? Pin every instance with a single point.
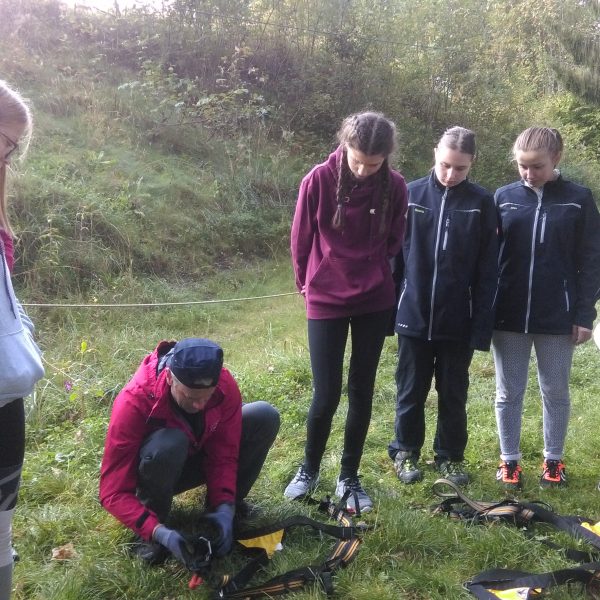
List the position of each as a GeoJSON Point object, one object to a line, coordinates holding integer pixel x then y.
{"type": "Point", "coordinates": [346, 272]}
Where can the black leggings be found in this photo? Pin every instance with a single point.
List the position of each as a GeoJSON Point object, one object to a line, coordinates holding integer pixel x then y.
{"type": "Point", "coordinates": [327, 343]}
{"type": "Point", "coordinates": [12, 451]}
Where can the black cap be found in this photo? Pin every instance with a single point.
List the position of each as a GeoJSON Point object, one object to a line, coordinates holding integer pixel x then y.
{"type": "Point", "coordinates": [197, 362]}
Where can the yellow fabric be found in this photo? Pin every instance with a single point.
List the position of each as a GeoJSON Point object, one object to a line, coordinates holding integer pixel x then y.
{"type": "Point", "coordinates": [593, 528]}
{"type": "Point", "coordinates": [516, 593]}
{"type": "Point", "coordinates": [268, 542]}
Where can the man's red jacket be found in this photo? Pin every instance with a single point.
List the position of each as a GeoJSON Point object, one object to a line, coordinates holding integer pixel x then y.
{"type": "Point", "coordinates": [145, 405]}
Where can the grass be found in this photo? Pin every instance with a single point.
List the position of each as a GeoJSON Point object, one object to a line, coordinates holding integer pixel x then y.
{"type": "Point", "coordinates": [409, 553]}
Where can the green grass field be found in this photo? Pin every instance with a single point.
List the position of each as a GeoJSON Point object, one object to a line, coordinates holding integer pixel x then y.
{"type": "Point", "coordinates": [409, 553]}
{"type": "Point", "coordinates": [121, 199]}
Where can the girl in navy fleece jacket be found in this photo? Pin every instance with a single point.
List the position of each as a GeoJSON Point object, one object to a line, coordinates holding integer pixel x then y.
{"type": "Point", "coordinates": [549, 279]}
{"type": "Point", "coordinates": [349, 223]}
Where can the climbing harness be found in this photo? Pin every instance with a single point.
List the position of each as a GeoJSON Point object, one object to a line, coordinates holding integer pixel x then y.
{"type": "Point", "coordinates": [262, 542]}
{"type": "Point", "coordinates": [509, 584]}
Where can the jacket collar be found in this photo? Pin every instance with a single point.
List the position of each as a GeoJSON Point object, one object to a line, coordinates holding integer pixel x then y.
{"type": "Point", "coordinates": [434, 181]}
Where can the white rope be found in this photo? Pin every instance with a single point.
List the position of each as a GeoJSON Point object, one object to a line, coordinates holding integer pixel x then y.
{"type": "Point", "coordinates": [156, 304]}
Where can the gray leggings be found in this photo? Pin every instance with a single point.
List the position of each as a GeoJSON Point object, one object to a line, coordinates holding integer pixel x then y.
{"type": "Point", "coordinates": [554, 355]}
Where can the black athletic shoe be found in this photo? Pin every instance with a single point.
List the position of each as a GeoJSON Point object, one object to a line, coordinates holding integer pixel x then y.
{"type": "Point", "coordinates": [152, 553]}
{"type": "Point", "coordinates": [407, 469]}
{"type": "Point", "coordinates": [453, 470]}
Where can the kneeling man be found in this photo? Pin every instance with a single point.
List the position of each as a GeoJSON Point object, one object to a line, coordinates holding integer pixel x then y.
{"type": "Point", "coordinates": [178, 424]}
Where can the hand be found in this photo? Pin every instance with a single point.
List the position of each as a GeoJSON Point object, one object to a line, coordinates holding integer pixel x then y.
{"type": "Point", "coordinates": [222, 518]}
{"type": "Point", "coordinates": [174, 542]}
{"type": "Point", "coordinates": [581, 335]}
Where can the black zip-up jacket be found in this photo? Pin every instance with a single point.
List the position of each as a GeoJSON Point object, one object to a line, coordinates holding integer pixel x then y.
{"type": "Point", "coordinates": [549, 258]}
{"type": "Point", "coordinates": [450, 263]}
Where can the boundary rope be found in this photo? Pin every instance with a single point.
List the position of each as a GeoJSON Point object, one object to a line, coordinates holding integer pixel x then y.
{"type": "Point", "coordinates": [156, 304]}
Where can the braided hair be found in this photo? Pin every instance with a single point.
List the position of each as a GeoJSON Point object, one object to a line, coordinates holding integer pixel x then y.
{"type": "Point", "coordinates": [370, 133]}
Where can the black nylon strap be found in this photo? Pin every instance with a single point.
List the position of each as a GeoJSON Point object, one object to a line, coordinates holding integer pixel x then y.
{"type": "Point", "coordinates": [342, 553]}
{"type": "Point", "coordinates": [571, 525]}
{"type": "Point", "coordinates": [504, 579]}
{"type": "Point", "coordinates": [340, 532]}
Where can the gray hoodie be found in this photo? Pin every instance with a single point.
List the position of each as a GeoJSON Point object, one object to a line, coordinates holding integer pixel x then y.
{"type": "Point", "coordinates": [20, 358]}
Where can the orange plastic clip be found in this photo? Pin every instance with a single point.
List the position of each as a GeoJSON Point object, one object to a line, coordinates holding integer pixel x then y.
{"type": "Point", "coordinates": [195, 581]}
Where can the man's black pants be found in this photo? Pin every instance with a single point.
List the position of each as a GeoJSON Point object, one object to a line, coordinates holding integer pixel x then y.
{"type": "Point", "coordinates": [166, 470]}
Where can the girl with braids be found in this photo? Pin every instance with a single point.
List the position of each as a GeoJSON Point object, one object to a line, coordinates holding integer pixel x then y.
{"type": "Point", "coordinates": [445, 309]}
{"type": "Point", "coordinates": [18, 372]}
{"type": "Point", "coordinates": [549, 284]}
{"type": "Point", "coordinates": [348, 224]}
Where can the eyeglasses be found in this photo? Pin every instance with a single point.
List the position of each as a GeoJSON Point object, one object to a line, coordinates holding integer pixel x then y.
{"type": "Point", "coordinates": [13, 145]}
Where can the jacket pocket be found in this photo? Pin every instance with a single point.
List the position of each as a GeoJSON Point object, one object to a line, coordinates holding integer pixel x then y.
{"type": "Point", "coordinates": [344, 278]}
{"type": "Point", "coordinates": [21, 365]}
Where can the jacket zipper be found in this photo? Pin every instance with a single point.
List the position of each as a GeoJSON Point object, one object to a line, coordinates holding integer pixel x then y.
{"type": "Point", "coordinates": [470, 303]}
{"type": "Point", "coordinates": [402, 294]}
{"type": "Point", "coordinates": [435, 263]}
{"type": "Point", "coordinates": [531, 262]}
{"type": "Point", "coordinates": [542, 235]}
{"type": "Point", "coordinates": [446, 233]}
{"type": "Point", "coordinates": [567, 296]}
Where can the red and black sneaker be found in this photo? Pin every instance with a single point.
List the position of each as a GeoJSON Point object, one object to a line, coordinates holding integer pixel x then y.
{"type": "Point", "coordinates": [510, 474]}
{"type": "Point", "coordinates": [553, 474]}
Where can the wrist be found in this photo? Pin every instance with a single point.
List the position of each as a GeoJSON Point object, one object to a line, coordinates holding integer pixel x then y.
{"type": "Point", "coordinates": [155, 530]}
{"type": "Point", "coordinates": [226, 508]}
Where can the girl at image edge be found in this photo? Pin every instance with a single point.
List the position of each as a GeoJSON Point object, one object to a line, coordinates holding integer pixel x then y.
{"type": "Point", "coordinates": [349, 222]}
{"type": "Point", "coordinates": [549, 279]}
{"type": "Point", "coordinates": [20, 367]}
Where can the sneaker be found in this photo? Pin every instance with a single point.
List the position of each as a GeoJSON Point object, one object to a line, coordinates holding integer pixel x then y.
{"type": "Point", "coordinates": [152, 553]}
{"type": "Point", "coordinates": [357, 495]}
{"type": "Point", "coordinates": [553, 474]}
{"type": "Point", "coordinates": [510, 474]}
{"type": "Point", "coordinates": [245, 510]}
{"type": "Point", "coordinates": [303, 484]}
{"type": "Point", "coordinates": [406, 468]}
{"type": "Point", "coordinates": [453, 471]}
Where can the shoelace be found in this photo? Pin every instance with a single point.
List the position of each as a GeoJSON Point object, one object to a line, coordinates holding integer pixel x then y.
{"type": "Point", "coordinates": [510, 471]}
{"type": "Point", "coordinates": [353, 484]}
{"type": "Point", "coordinates": [304, 475]}
{"type": "Point", "coordinates": [410, 464]}
{"type": "Point", "coordinates": [553, 469]}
